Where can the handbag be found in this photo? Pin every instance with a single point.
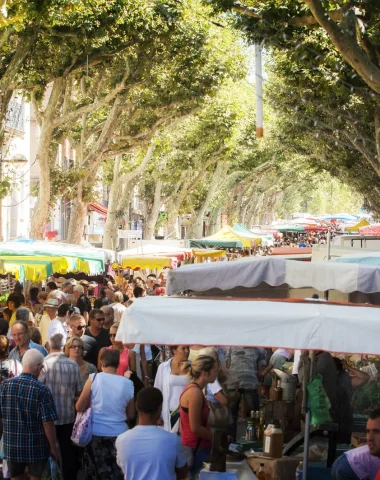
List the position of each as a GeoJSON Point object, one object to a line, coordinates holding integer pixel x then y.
{"type": "Point", "coordinates": [82, 429]}
{"type": "Point", "coordinates": [220, 415]}
{"type": "Point", "coordinates": [52, 471]}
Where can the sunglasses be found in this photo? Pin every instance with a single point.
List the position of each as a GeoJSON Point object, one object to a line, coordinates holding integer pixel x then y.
{"type": "Point", "coordinates": [100, 319]}
{"type": "Point", "coordinates": [79, 347]}
{"type": "Point", "coordinates": [80, 327]}
{"type": "Point", "coordinates": [112, 335]}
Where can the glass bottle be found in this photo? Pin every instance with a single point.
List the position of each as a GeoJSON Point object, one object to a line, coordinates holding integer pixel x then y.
{"type": "Point", "coordinates": [261, 474]}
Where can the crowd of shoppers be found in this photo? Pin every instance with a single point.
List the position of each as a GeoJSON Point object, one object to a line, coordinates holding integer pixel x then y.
{"type": "Point", "coordinates": [59, 352]}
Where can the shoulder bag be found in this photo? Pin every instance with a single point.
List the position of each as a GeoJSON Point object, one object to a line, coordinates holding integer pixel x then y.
{"type": "Point", "coordinates": [82, 430]}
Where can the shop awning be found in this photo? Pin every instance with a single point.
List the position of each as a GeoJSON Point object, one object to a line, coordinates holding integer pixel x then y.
{"type": "Point", "coordinates": [98, 208]}
{"type": "Point", "coordinates": [260, 323]}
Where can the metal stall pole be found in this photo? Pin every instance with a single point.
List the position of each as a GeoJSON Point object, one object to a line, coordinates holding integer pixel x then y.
{"type": "Point", "coordinates": [307, 416]}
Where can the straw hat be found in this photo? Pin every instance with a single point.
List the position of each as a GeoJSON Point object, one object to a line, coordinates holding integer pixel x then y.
{"type": "Point", "coordinates": [52, 302]}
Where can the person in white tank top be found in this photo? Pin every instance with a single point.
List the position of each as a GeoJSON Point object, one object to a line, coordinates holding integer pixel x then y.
{"type": "Point", "coordinates": [111, 398]}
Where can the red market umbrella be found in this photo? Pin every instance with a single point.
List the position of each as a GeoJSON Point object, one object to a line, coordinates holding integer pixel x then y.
{"type": "Point", "coordinates": [370, 231]}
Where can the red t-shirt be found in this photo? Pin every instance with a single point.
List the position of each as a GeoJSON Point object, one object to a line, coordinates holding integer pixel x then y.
{"type": "Point", "coordinates": [378, 475]}
{"type": "Point", "coordinates": [124, 361]}
{"type": "Point", "coordinates": [190, 439]}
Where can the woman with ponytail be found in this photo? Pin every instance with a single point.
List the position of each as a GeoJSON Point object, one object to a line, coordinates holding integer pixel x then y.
{"type": "Point", "coordinates": [194, 411]}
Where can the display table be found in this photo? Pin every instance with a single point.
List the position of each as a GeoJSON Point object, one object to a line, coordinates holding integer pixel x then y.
{"type": "Point", "coordinates": [235, 471]}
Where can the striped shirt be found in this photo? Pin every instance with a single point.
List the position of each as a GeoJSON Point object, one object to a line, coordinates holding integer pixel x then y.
{"type": "Point", "coordinates": [62, 376]}
{"type": "Point", "coordinates": [244, 367]}
{"type": "Point", "coordinates": [24, 405]}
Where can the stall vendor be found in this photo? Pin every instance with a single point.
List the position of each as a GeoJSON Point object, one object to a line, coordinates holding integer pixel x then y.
{"type": "Point", "coordinates": [361, 463]}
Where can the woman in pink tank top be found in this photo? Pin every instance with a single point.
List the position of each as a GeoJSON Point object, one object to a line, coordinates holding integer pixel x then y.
{"type": "Point", "coordinates": [196, 433]}
{"type": "Point", "coordinates": [127, 355]}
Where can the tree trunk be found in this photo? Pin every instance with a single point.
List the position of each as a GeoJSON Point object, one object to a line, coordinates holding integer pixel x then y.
{"type": "Point", "coordinates": [119, 197]}
{"type": "Point", "coordinates": [42, 207]}
{"type": "Point", "coordinates": [214, 219]}
{"type": "Point", "coordinates": [110, 237]}
{"type": "Point", "coordinates": [155, 210]}
{"type": "Point", "coordinates": [198, 225]}
{"type": "Point", "coordinates": [77, 218]}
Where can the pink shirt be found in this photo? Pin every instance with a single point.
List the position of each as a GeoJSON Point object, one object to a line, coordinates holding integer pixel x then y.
{"type": "Point", "coordinates": [363, 463]}
{"type": "Point", "coordinates": [124, 361]}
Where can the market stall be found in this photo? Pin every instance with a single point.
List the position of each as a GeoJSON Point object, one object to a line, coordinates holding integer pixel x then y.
{"type": "Point", "coordinates": [157, 250]}
{"type": "Point", "coordinates": [355, 228]}
{"type": "Point", "coordinates": [96, 258]}
{"type": "Point", "coordinates": [303, 325]}
{"type": "Point", "coordinates": [224, 238]}
{"type": "Point", "coordinates": [370, 230]}
{"type": "Point", "coordinates": [145, 262]}
{"type": "Point", "coordinates": [258, 323]}
{"type": "Point", "coordinates": [243, 231]}
{"type": "Point", "coordinates": [249, 273]}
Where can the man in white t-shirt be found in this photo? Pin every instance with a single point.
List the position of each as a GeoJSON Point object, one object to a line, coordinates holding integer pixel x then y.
{"type": "Point", "coordinates": [60, 323]}
{"type": "Point", "coordinates": [147, 452]}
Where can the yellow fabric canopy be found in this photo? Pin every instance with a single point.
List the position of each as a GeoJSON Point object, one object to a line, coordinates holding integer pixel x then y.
{"type": "Point", "coordinates": [363, 223]}
{"type": "Point", "coordinates": [145, 262]}
{"type": "Point", "coordinates": [226, 233]}
{"type": "Point", "coordinates": [32, 272]}
{"type": "Point", "coordinates": [205, 252]}
{"type": "Point", "coordinates": [37, 268]}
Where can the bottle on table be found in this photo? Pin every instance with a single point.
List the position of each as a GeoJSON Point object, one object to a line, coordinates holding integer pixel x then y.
{"type": "Point", "coordinates": [299, 471]}
{"type": "Point", "coordinates": [250, 433]}
{"type": "Point", "coordinates": [261, 474]}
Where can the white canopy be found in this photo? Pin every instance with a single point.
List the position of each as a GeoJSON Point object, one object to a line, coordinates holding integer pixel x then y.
{"type": "Point", "coordinates": [312, 325]}
{"type": "Point", "coordinates": [152, 249]}
{"type": "Point", "coordinates": [250, 272]}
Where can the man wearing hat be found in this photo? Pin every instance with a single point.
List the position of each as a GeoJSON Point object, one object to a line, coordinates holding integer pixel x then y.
{"type": "Point", "coordinates": [50, 314]}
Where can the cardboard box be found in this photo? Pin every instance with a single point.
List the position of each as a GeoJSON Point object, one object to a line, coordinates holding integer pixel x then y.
{"type": "Point", "coordinates": [358, 439]}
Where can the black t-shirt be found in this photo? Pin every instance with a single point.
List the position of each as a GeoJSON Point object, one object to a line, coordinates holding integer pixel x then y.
{"type": "Point", "coordinates": [90, 353]}
{"type": "Point", "coordinates": [102, 340]}
{"type": "Point", "coordinates": [84, 304]}
{"type": "Point", "coordinates": [101, 302]}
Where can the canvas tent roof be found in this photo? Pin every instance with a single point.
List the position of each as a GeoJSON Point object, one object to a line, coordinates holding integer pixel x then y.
{"type": "Point", "coordinates": [313, 325]}
{"type": "Point", "coordinates": [355, 228]}
{"type": "Point", "coordinates": [250, 272]}
{"type": "Point", "coordinates": [225, 238]}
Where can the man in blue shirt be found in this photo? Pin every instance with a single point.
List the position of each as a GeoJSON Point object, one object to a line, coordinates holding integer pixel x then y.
{"type": "Point", "coordinates": [20, 334]}
{"type": "Point", "coordinates": [165, 458]}
{"type": "Point", "coordinates": [28, 413]}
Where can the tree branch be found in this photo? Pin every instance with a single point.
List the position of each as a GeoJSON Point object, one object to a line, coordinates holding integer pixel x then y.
{"type": "Point", "coordinates": [301, 21]}
{"type": "Point", "coordinates": [347, 46]}
{"type": "Point", "coordinates": [73, 116]}
{"type": "Point", "coordinates": [37, 111]}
